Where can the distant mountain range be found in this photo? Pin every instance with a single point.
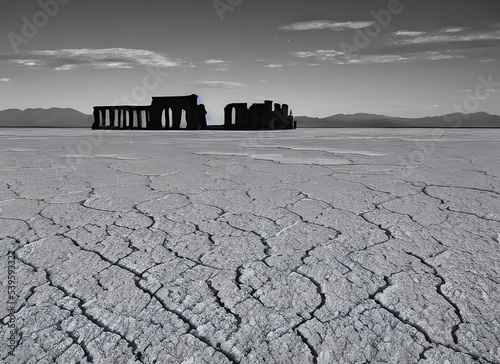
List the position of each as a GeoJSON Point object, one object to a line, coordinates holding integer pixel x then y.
{"type": "Point", "coordinates": [456, 120]}
{"type": "Point", "coordinates": [45, 118]}
{"type": "Point", "coordinates": [70, 118]}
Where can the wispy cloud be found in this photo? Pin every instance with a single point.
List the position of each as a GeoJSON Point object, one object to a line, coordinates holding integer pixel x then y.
{"type": "Point", "coordinates": [278, 62]}
{"type": "Point", "coordinates": [5, 80]}
{"type": "Point", "coordinates": [480, 43]}
{"type": "Point", "coordinates": [337, 57]}
{"type": "Point", "coordinates": [320, 54]}
{"type": "Point", "coordinates": [453, 29]}
{"type": "Point", "coordinates": [222, 85]}
{"type": "Point", "coordinates": [108, 58]}
{"type": "Point", "coordinates": [445, 38]}
{"type": "Point", "coordinates": [325, 24]}
{"type": "Point", "coordinates": [219, 64]}
{"type": "Point", "coordinates": [445, 35]}
{"type": "Point", "coordinates": [215, 62]}
{"type": "Point", "coordinates": [408, 33]}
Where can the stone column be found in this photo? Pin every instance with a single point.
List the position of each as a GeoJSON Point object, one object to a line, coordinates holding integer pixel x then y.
{"type": "Point", "coordinates": [156, 109]}
{"type": "Point", "coordinates": [120, 118]}
{"type": "Point", "coordinates": [130, 118]}
{"type": "Point", "coordinates": [139, 118]}
{"type": "Point", "coordinates": [285, 110]}
{"type": "Point", "coordinates": [111, 118]}
{"type": "Point", "coordinates": [103, 118]}
{"type": "Point", "coordinates": [176, 116]}
{"type": "Point", "coordinates": [97, 119]}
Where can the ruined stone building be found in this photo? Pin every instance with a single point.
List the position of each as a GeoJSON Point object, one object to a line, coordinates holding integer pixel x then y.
{"type": "Point", "coordinates": [165, 113]}
{"type": "Point", "coordinates": [258, 116]}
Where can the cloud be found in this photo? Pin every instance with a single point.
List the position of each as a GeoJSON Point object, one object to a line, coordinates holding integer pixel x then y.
{"type": "Point", "coordinates": [320, 54]}
{"type": "Point", "coordinates": [108, 58]}
{"type": "Point", "coordinates": [408, 33]}
{"type": "Point", "coordinates": [480, 43]}
{"type": "Point", "coordinates": [445, 38]}
{"type": "Point", "coordinates": [402, 58]}
{"type": "Point", "coordinates": [277, 62]}
{"type": "Point", "coordinates": [215, 61]}
{"type": "Point", "coordinates": [5, 79]}
{"type": "Point", "coordinates": [31, 63]}
{"type": "Point", "coordinates": [337, 57]}
{"type": "Point", "coordinates": [220, 64]}
{"type": "Point", "coordinates": [452, 30]}
{"type": "Point", "coordinates": [222, 85]}
{"type": "Point", "coordinates": [325, 24]}
{"type": "Point", "coordinates": [446, 35]}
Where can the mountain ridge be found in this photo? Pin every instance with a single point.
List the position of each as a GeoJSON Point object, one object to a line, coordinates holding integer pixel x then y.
{"type": "Point", "coordinates": [45, 118]}
{"type": "Point", "coordinates": [364, 120]}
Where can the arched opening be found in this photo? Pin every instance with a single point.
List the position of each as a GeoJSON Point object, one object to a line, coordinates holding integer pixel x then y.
{"type": "Point", "coordinates": [233, 116]}
{"type": "Point", "coordinates": [143, 119]}
{"type": "Point", "coordinates": [106, 117]}
{"type": "Point", "coordinates": [164, 119]}
{"type": "Point", "coordinates": [183, 119]}
{"type": "Point", "coordinates": [137, 117]}
{"type": "Point", "coordinates": [133, 119]}
{"type": "Point", "coordinates": [121, 119]}
{"type": "Point", "coordinates": [170, 118]}
{"type": "Point", "coordinates": [117, 118]}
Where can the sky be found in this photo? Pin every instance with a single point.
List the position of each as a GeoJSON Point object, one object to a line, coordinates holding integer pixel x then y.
{"type": "Point", "coordinates": [410, 58]}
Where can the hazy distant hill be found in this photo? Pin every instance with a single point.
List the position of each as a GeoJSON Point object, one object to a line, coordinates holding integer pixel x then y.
{"type": "Point", "coordinates": [45, 118]}
{"type": "Point", "coordinates": [457, 120]}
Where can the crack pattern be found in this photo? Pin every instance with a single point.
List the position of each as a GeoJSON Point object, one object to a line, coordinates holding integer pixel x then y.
{"type": "Point", "coordinates": [323, 254]}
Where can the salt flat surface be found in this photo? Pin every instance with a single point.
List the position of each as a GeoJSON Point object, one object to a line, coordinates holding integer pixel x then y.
{"type": "Point", "coordinates": [306, 246]}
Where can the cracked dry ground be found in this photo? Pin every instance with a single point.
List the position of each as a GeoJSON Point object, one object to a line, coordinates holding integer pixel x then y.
{"type": "Point", "coordinates": [307, 246]}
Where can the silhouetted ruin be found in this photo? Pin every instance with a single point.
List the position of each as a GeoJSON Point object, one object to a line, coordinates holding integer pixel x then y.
{"type": "Point", "coordinates": [165, 113]}
{"type": "Point", "coordinates": [258, 116]}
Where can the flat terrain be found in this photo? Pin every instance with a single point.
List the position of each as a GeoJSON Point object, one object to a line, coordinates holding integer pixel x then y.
{"type": "Point", "coordinates": [306, 246]}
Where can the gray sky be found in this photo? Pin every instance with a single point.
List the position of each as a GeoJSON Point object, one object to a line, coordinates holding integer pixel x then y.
{"type": "Point", "coordinates": [322, 57]}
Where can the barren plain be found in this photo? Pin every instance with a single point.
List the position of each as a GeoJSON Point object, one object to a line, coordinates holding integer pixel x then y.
{"type": "Point", "coordinates": [305, 246]}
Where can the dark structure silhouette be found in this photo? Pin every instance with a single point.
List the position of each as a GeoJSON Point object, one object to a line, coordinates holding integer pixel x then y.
{"type": "Point", "coordinates": [166, 113]}
{"type": "Point", "coordinates": [258, 116]}
{"type": "Point", "coordinates": [163, 113]}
